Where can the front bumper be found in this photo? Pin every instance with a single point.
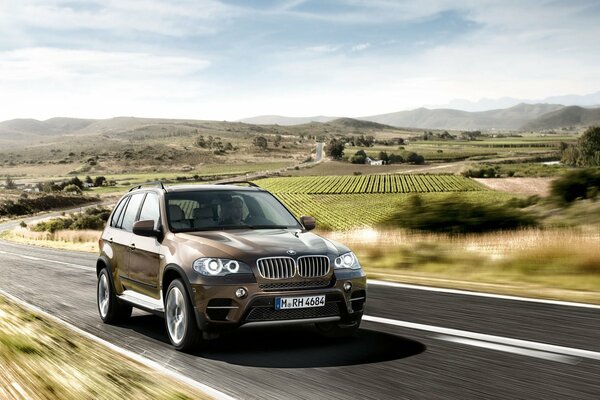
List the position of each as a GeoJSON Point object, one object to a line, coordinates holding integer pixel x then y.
{"type": "Point", "coordinates": [217, 307]}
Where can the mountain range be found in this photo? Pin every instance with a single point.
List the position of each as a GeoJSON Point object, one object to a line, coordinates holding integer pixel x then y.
{"type": "Point", "coordinates": [519, 117]}
{"type": "Point", "coordinates": [516, 118]}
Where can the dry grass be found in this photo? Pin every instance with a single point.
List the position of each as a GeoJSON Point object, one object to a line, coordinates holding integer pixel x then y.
{"type": "Point", "coordinates": [554, 263]}
{"type": "Point", "coordinates": [40, 359]}
{"type": "Point", "coordinates": [547, 263]}
{"type": "Point", "coordinates": [529, 186]}
{"type": "Point", "coordinates": [84, 240]}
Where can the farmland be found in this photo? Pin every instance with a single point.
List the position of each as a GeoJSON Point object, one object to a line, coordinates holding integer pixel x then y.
{"type": "Point", "coordinates": [348, 202]}
{"type": "Point", "coordinates": [370, 184]}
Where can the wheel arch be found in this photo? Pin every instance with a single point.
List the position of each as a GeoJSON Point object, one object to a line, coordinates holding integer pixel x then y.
{"type": "Point", "coordinates": [172, 272]}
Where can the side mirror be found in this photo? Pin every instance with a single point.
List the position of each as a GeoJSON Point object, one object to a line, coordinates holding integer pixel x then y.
{"type": "Point", "coordinates": [146, 228]}
{"type": "Point", "coordinates": [309, 222]}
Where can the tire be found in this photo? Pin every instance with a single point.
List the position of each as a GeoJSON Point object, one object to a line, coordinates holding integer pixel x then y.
{"type": "Point", "coordinates": [338, 329]}
{"type": "Point", "coordinates": [110, 308]}
{"type": "Point", "coordinates": [180, 320]}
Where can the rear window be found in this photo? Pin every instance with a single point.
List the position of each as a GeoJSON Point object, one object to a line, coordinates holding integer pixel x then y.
{"type": "Point", "coordinates": [117, 213]}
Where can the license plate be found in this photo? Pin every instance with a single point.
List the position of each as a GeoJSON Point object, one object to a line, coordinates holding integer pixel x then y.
{"type": "Point", "coordinates": [284, 303]}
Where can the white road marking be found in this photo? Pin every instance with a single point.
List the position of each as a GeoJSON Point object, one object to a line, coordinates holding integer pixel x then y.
{"type": "Point", "coordinates": [77, 266]}
{"type": "Point", "coordinates": [550, 348]}
{"type": "Point", "coordinates": [510, 349]}
{"type": "Point", "coordinates": [382, 283]}
{"type": "Point", "coordinates": [480, 294]}
{"type": "Point", "coordinates": [136, 357]}
{"type": "Point", "coordinates": [504, 343]}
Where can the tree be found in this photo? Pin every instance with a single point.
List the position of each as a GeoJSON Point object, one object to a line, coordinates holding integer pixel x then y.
{"type": "Point", "coordinates": [584, 153]}
{"type": "Point", "coordinates": [10, 183]}
{"type": "Point", "coordinates": [414, 158]}
{"type": "Point", "coordinates": [99, 181]}
{"type": "Point", "coordinates": [88, 179]}
{"type": "Point", "coordinates": [335, 149]}
{"type": "Point", "coordinates": [200, 142]}
{"type": "Point", "coordinates": [76, 181]}
{"type": "Point", "coordinates": [260, 142]}
{"type": "Point", "coordinates": [277, 141]}
{"type": "Point", "coordinates": [395, 159]}
{"type": "Point", "coordinates": [383, 156]}
{"type": "Point", "coordinates": [589, 146]}
{"type": "Point", "coordinates": [359, 157]}
{"type": "Point", "coordinates": [577, 184]}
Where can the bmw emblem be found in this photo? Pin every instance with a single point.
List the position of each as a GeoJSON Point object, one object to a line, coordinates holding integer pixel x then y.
{"type": "Point", "coordinates": [291, 252]}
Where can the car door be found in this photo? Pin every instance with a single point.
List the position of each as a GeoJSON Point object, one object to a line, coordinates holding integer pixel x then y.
{"type": "Point", "coordinates": [123, 238]}
{"type": "Point", "coordinates": [144, 259]}
{"type": "Point", "coordinates": [116, 243]}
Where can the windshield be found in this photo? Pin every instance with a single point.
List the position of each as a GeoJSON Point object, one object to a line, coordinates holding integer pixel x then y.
{"type": "Point", "coordinates": [226, 209]}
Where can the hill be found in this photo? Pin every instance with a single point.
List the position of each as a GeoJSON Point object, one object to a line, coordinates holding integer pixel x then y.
{"type": "Point", "coordinates": [512, 118]}
{"type": "Point", "coordinates": [285, 121]}
{"type": "Point", "coordinates": [26, 128]}
{"type": "Point", "coordinates": [357, 124]}
{"type": "Point", "coordinates": [565, 117]}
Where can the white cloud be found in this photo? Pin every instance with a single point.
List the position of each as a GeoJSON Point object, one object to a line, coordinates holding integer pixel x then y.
{"type": "Point", "coordinates": [118, 16]}
{"type": "Point", "coordinates": [326, 48]}
{"type": "Point", "coordinates": [360, 47]}
{"type": "Point", "coordinates": [44, 82]}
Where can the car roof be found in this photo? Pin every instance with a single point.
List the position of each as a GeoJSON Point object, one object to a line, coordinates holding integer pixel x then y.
{"type": "Point", "coordinates": [195, 188]}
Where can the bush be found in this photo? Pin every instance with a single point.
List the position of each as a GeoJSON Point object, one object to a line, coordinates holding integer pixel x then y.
{"type": "Point", "coordinates": [578, 184]}
{"type": "Point", "coordinates": [92, 218]}
{"type": "Point", "coordinates": [72, 189]}
{"type": "Point", "coordinates": [452, 215]}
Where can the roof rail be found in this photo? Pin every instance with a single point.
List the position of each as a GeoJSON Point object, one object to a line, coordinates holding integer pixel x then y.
{"type": "Point", "coordinates": [155, 183]}
{"type": "Point", "coordinates": [238, 182]}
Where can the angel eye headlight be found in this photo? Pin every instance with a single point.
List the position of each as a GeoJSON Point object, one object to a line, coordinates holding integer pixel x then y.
{"type": "Point", "coordinates": [347, 260]}
{"type": "Point", "coordinates": [232, 266]}
{"type": "Point", "coordinates": [213, 267]}
{"type": "Point", "coordinates": [219, 267]}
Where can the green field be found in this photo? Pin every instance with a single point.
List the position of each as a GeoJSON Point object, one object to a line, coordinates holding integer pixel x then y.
{"type": "Point", "coordinates": [370, 184]}
{"type": "Point", "coordinates": [348, 202]}
{"type": "Point", "coordinates": [342, 212]}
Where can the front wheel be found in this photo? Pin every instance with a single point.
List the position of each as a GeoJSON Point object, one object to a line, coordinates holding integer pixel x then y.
{"type": "Point", "coordinates": [338, 329]}
{"type": "Point", "coordinates": [180, 320]}
{"type": "Point", "coordinates": [110, 308]}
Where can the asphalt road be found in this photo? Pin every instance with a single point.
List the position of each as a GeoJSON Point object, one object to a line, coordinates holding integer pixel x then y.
{"type": "Point", "coordinates": [319, 153]}
{"type": "Point", "coordinates": [425, 345]}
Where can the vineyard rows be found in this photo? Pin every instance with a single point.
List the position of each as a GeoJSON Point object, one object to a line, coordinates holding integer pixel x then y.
{"type": "Point", "coordinates": [343, 212]}
{"type": "Point", "coordinates": [370, 184]}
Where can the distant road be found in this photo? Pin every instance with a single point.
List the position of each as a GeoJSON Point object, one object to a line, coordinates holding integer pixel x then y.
{"type": "Point", "coordinates": [415, 343]}
{"type": "Point", "coordinates": [319, 154]}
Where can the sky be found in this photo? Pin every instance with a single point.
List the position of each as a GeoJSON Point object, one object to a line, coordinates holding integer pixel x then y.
{"type": "Point", "coordinates": [227, 60]}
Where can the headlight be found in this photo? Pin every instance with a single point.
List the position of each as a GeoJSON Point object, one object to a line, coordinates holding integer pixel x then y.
{"type": "Point", "coordinates": [347, 260]}
{"type": "Point", "coordinates": [220, 267]}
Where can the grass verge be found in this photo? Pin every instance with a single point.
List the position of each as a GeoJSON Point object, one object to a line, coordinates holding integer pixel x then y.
{"type": "Point", "coordinates": [40, 359]}
{"type": "Point", "coordinates": [558, 264]}
{"type": "Point", "coordinates": [553, 263]}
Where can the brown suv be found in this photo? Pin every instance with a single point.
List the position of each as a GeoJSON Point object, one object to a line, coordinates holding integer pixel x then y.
{"type": "Point", "coordinates": [211, 257]}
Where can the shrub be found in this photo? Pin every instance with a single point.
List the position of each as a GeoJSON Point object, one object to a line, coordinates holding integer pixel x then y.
{"type": "Point", "coordinates": [575, 185]}
{"type": "Point", "coordinates": [92, 218]}
{"type": "Point", "coordinates": [452, 215]}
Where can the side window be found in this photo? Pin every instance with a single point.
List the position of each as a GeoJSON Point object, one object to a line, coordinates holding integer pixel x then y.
{"type": "Point", "coordinates": [117, 213]}
{"type": "Point", "coordinates": [151, 209]}
{"type": "Point", "coordinates": [131, 211]}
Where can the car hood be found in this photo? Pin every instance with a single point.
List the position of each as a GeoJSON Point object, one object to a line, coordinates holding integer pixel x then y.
{"type": "Point", "coordinates": [249, 245]}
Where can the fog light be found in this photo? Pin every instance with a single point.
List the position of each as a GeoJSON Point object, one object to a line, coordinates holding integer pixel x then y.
{"type": "Point", "coordinates": [347, 286]}
{"type": "Point", "coordinates": [240, 293]}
